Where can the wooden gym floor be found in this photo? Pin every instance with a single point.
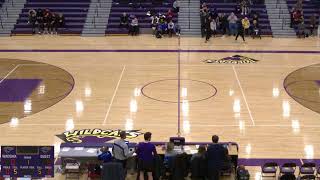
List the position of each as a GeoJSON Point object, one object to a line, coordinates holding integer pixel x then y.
{"type": "Point", "coordinates": [244, 103]}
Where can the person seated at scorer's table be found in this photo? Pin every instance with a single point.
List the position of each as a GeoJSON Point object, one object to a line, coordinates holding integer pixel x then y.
{"type": "Point", "coordinates": [105, 155]}
{"type": "Point", "coordinates": [120, 149]}
{"type": "Point", "coordinates": [217, 157]}
{"type": "Point", "coordinates": [146, 153]}
{"type": "Point", "coordinates": [198, 164]}
{"type": "Point", "coordinates": [168, 160]}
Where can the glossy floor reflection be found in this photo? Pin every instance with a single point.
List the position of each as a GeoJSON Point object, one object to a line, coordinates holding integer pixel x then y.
{"type": "Point", "coordinates": [250, 105]}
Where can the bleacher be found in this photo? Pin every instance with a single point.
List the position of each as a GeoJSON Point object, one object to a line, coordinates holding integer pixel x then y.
{"type": "Point", "coordinates": [75, 12]}
{"type": "Point", "coordinates": [309, 8]}
{"type": "Point", "coordinates": [141, 13]}
{"type": "Point", "coordinates": [1, 2]}
{"type": "Point", "coordinates": [227, 8]}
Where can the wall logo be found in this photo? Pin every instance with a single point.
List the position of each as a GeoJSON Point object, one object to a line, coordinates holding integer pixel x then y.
{"type": "Point", "coordinates": [95, 135]}
{"type": "Point", "coordinates": [236, 59]}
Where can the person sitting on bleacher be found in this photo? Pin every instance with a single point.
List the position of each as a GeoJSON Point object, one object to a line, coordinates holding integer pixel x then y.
{"type": "Point", "coordinates": [146, 153]}
{"type": "Point", "coordinates": [168, 160]}
{"type": "Point", "coordinates": [32, 19]}
{"type": "Point", "coordinates": [134, 26]}
{"type": "Point", "coordinates": [61, 21]}
{"type": "Point", "coordinates": [120, 149]}
{"type": "Point", "coordinates": [216, 156]}
{"type": "Point", "coordinates": [198, 164]}
{"type": "Point", "coordinates": [40, 21]}
{"type": "Point", "coordinates": [170, 28]}
{"type": "Point", "coordinates": [105, 155]}
{"type": "Point", "coordinates": [47, 21]}
{"type": "Point", "coordinates": [124, 20]}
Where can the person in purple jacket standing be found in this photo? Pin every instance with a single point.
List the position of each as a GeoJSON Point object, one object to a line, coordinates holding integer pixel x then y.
{"type": "Point", "coordinates": [146, 153]}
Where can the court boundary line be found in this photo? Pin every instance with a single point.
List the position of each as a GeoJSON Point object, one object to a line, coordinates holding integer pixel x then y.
{"type": "Point", "coordinates": [174, 125]}
{"type": "Point", "coordinates": [243, 95]}
{"type": "Point", "coordinates": [10, 72]}
{"type": "Point", "coordinates": [160, 51]}
{"type": "Point", "coordinates": [113, 96]}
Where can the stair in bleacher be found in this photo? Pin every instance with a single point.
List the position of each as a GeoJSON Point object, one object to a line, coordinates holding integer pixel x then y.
{"type": "Point", "coordinates": [279, 17]}
{"type": "Point", "coordinates": [75, 12]}
{"type": "Point", "coordinates": [309, 9]}
{"type": "Point", "coordinates": [97, 18]}
{"type": "Point", "coordinates": [9, 13]}
{"type": "Point", "coordinates": [139, 11]}
{"type": "Point", "coordinates": [189, 19]}
{"type": "Point", "coordinates": [224, 7]}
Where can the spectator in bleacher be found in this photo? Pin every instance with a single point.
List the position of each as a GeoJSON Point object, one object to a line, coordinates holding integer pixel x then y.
{"type": "Point", "coordinates": [61, 21]}
{"type": "Point", "coordinates": [177, 29]}
{"type": "Point", "coordinates": [105, 155]}
{"type": "Point", "coordinates": [32, 19]}
{"type": "Point", "coordinates": [313, 24]}
{"type": "Point", "coordinates": [168, 160]}
{"type": "Point", "coordinates": [240, 30]}
{"type": "Point", "coordinates": [237, 10]}
{"type": "Point", "coordinates": [246, 25]}
{"type": "Point", "coordinates": [298, 5]}
{"type": "Point", "coordinates": [176, 6]}
{"type": "Point", "coordinates": [223, 20]}
{"type": "Point", "coordinates": [232, 24]}
{"type": "Point", "coordinates": [154, 23]}
{"type": "Point", "coordinates": [214, 14]}
{"type": "Point", "coordinates": [124, 20]}
{"type": "Point", "coordinates": [170, 28]}
{"type": "Point", "coordinates": [216, 155]}
{"type": "Point", "coordinates": [208, 29]}
{"type": "Point", "coordinates": [255, 29]}
{"type": "Point", "coordinates": [213, 27]}
{"type": "Point", "coordinates": [169, 15]}
{"type": "Point", "coordinates": [204, 6]}
{"type": "Point", "coordinates": [47, 21]}
{"type": "Point", "coordinates": [301, 33]}
{"type": "Point", "coordinates": [291, 17]}
{"type": "Point", "coordinates": [203, 17]}
{"type": "Point", "coordinates": [244, 4]}
{"type": "Point", "coordinates": [134, 26]}
{"type": "Point", "coordinates": [198, 164]}
{"type": "Point", "coordinates": [54, 23]}
{"type": "Point", "coordinates": [40, 21]}
{"type": "Point", "coordinates": [146, 153]}
{"type": "Point", "coordinates": [120, 149]}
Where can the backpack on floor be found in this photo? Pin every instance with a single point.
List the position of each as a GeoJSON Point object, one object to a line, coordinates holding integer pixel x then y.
{"type": "Point", "coordinates": [242, 173]}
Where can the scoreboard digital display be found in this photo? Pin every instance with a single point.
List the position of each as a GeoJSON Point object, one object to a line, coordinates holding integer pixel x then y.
{"type": "Point", "coordinates": [27, 161]}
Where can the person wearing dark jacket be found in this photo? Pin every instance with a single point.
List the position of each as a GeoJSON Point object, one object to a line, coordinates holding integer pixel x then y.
{"type": "Point", "coordinates": [216, 155]}
{"type": "Point", "coordinates": [240, 30]}
{"type": "Point", "coordinates": [124, 20]}
{"type": "Point", "coordinates": [198, 164]}
{"type": "Point", "coordinates": [208, 29]}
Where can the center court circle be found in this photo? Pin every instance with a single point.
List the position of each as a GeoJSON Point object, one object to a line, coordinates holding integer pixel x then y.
{"type": "Point", "coordinates": [166, 90]}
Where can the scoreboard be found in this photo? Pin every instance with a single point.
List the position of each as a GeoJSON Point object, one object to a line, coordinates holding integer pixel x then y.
{"type": "Point", "coordinates": [27, 161]}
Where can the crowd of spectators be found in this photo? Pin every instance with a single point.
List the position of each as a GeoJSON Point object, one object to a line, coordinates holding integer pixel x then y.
{"type": "Point", "coordinates": [45, 21]}
{"type": "Point", "coordinates": [208, 162]}
{"type": "Point", "coordinates": [297, 21]}
{"type": "Point", "coordinates": [241, 22]}
{"type": "Point", "coordinates": [161, 24]}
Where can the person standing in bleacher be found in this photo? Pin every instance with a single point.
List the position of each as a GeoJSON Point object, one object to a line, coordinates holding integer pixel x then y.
{"type": "Point", "coordinates": [120, 149]}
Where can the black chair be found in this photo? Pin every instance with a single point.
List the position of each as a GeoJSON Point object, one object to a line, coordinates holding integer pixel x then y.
{"type": "Point", "coordinates": [308, 177]}
{"type": "Point", "coordinates": [318, 172]}
{"type": "Point", "coordinates": [269, 168]}
{"type": "Point", "coordinates": [307, 169]}
{"type": "Point", "coordinates": [288, 168]}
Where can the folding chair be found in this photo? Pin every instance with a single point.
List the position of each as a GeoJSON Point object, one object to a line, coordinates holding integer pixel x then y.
{"type": "Point", "coordinates": [307, 169]}
{"type": "Point", "coordinates": [269, 168]}
{"type": "Point", "coordinates": [288, 168]}
{"type": "Point", "coordinates": [71, 168]}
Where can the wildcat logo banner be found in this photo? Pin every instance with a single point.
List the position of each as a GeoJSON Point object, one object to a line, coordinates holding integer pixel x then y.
{"type": "Point", "coordinates": [95, 135]}
{"type": "Point", "coordinates": [236, 59]}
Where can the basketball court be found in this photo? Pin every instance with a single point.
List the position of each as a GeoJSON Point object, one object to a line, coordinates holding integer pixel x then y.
{"type": "Point", "coordinates": [262, 94]}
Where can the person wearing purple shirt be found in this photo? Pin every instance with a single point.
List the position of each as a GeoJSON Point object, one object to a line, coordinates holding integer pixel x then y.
{"type": "Point", "coordinates": [145, 154]}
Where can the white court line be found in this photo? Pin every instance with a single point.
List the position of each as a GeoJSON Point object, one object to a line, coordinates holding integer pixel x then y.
{"type": "Point", "coordinates": [174, 125]}
{"type": "Point", "coordinates": [9, 73]}
{"type": "Point", "coordinates": [244, 97]}
{"type": "Point", "coordinates": [114, 94]}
